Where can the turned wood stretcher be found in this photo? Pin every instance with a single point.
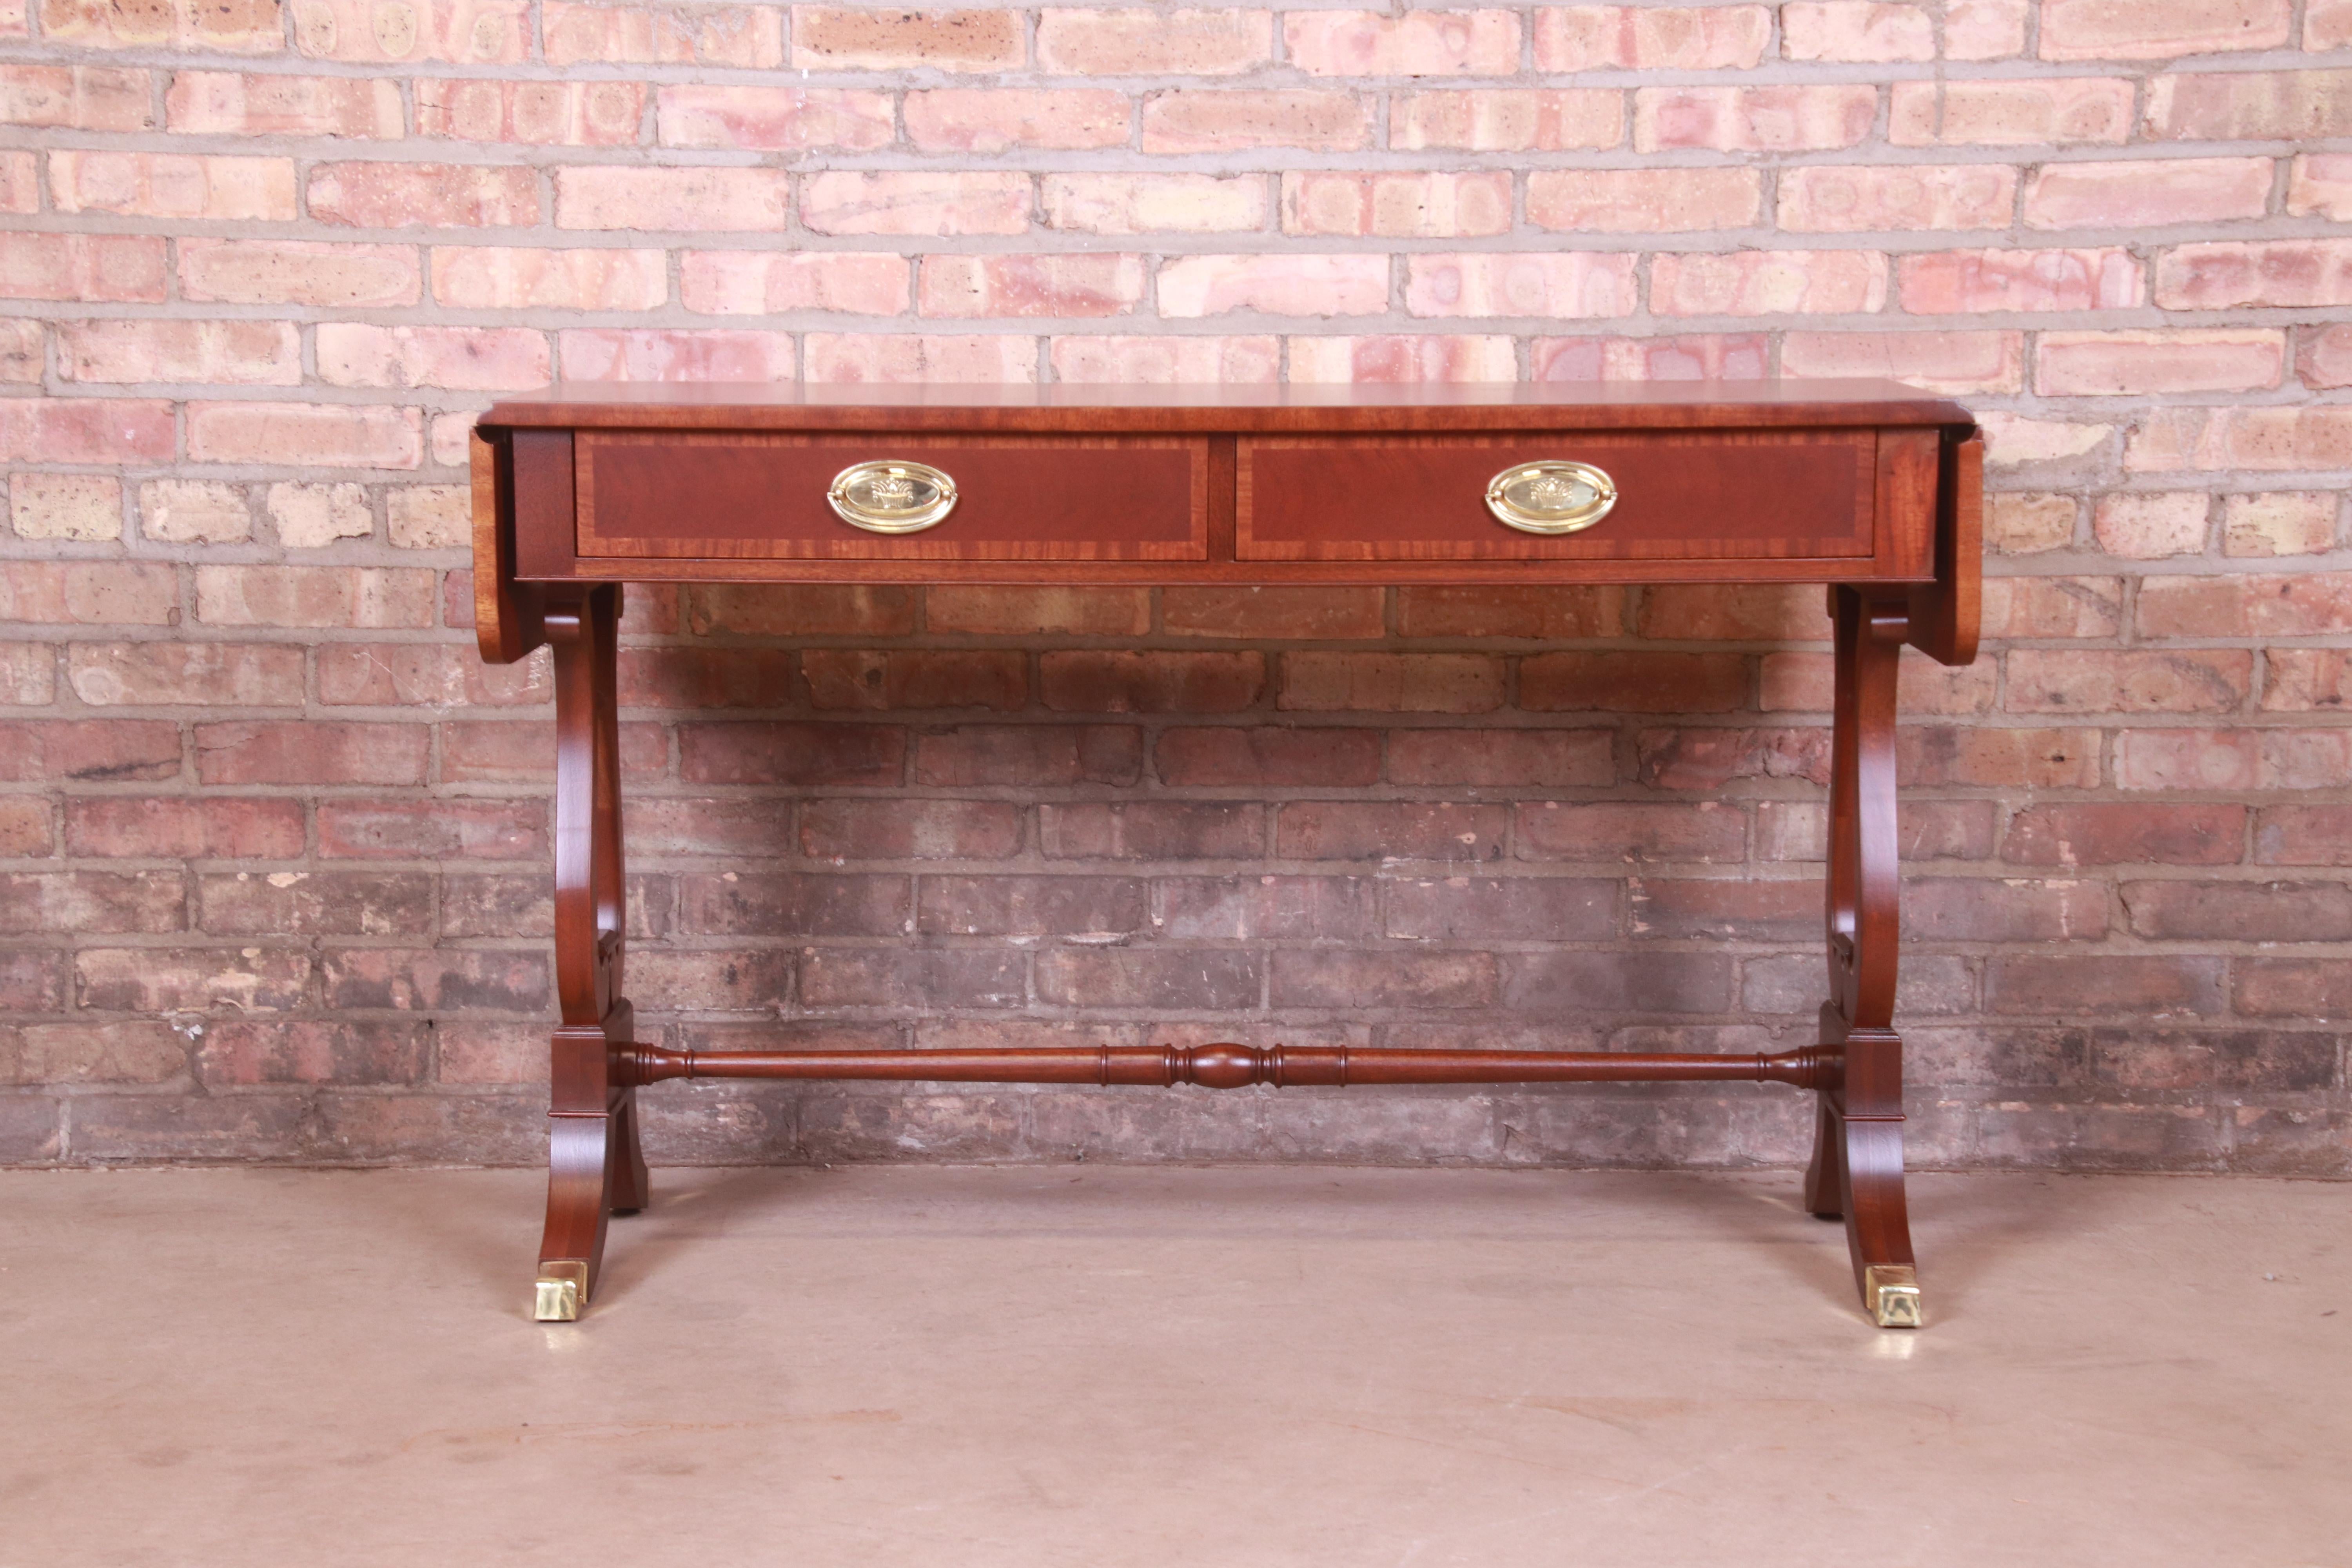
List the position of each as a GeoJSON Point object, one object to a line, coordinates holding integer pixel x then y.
{"type": "Point", "coordinates": [1868, 487]}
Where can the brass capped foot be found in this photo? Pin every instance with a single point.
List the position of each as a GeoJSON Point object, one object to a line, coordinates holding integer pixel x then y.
{"type": "Point", "coordinates": [562, 1289]}
{"type": "Point", "coordinates": [1892, 1290]}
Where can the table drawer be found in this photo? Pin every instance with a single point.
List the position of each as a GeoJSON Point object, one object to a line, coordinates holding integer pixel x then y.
{"type": "Point", "coordinates": [755, 496]}
{"type": "Point", "coordinates": [1679, 496]}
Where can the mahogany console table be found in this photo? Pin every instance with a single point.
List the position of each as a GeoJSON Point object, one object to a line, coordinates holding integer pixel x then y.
{"type": "Point", "coordinates": [1868, 487]}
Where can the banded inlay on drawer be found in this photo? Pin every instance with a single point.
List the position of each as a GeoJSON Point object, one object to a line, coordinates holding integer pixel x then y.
{"type": "Point", "coordinates": [756, 496]}
{"type": "Point", "coordinates": [1679, 496]}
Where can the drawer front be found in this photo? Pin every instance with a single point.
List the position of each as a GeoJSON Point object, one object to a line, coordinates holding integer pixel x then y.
{"type": "Point", "coordinates": [750, 496]}
{"type": "Point", "coordinates": [1695, 496]}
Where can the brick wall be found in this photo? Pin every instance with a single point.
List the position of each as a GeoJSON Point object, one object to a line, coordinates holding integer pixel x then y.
{"type": "Point", "coordinates": [276, 843]}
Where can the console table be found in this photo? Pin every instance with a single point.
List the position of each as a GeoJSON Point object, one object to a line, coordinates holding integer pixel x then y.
{"type": "Point", "coordinates": [1868, 487]}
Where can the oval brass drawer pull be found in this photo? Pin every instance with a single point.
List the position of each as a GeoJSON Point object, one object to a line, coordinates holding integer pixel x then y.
{"type": "Point", "coordinates": [892, 495]}
{"type": "Point", "coordinates": [1550, 496]}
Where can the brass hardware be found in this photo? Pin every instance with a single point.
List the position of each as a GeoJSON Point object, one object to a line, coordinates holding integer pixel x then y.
{"type": "Point", "coordinates": [1551, 498]}
{"type": "Point", "coordinates": [892, 496]}
{"type": "Point", "coordinates": [561, 1288]}
{"type": "Point", "coordinates": [1893, 1291]}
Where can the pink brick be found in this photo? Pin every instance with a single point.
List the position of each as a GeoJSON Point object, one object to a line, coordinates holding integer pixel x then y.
{"type": "Point", "coordinates": [21, 355]}
{"type": "Point", "coordinates": [918, 204]}
{"type": "Point", "coordinates": [2284, 522]}
{"type": "Point", "coordinates": [687, 199]}
{"type": "Point", "coordinates": [499, 278]}
{"type": "Point", "coordinates": [1158, 359]}
{"type": "Point", "coordinates": [2145, 192]}
{"type": "Point", "coordinates": [2059, 111]}
{"type": "Point", "coordinates": [1508, 120]}
{"type": "Point", "coordinates": [297, 272]}
{"type": "Point", "coordinates": [1643, 201]}
{"type": "Point", "coordinates": [1985, 29]}
{"type": "Point", "coordinates": [2013, 440]}
{"type": "Point", "coordinates": [746, 37]}
{"type": "Point", "coordinates": [1768, 282]}
{"type": "Point", "coordinates": [185, 827]}
{"type": "Point", "coordinates": [2245, 106]}
{"type": "Point", "coordinates": [1690, 356]}
{"type": "Point", "coordinates": [1827, 199]}
{"type": "Point", "coordinates": [1416, 43]}
{"type": "Point", "coordinates": [366, 597]}
{"type": "Point", "coordinates": [307, 435]}
{"type": "Point", "coordinates": [603, 354]}
{"type": "Point", "coordinates": [2151, 526]}
{"type": "Point", "coordinates": [173, 186]}
{"type": "Point", "coordinates": [1943, 282]}
{"type": "Point", "coordinates": [753, 283]}
{"type": "Point", "coordinates": [1402, 358]}
{"type": "Point", "coordinates": [20, 182]}
{"type": "Point", "coordinates": [234, 103]}
{"type": "Point", "coordinates": [2121, 30]}
{"type": "Point", "coordinates": [1572, 284]}
{"type": "Point", "coordinates": [774, 119]}
{"type": "Point", "coordinates": [84, 268]}
{"type": "Point", "coordinates": [2220, 760]}
{"type": "Point", "coordinates": [149, 674]}
{"type": "Point", "coordinates": [428, 195]}
{"type": "Point", "coordinates": [239, 353]}
{"type": "Point", "coordinates": [87, 592]}
{"type": "Point", "coordinates": [996, 119]}
{"type": "Point", "coordinates": [1215, 119]}
{"type": "Point", "coordinates": [2326, 24]}
{"type": "Point", "coordinates": [1939, 361]}
{"type": "Point", "coordinates": [2324, 355]}
{"type": "Point", "coordinates": [1397, 204]}
{"type": "Point", "coordinates": [972, 286]}
{"type": "Point", "coordinates": [1154, 204]}
{"type": "Point", "coordinates": [463, 32]}
{"type": "Point", "coordinates": [833, 38]}
{"type": "Point", "coordinates": [2065, 680]}
{"type": "Point", "coordinates": [230, 26]}
{"type": "Point", "coordinates": [1279, 285]}
{"type": "Point", "coordinates": [1857, 30]}
{"type": "Point", "coordinates": [1646, 38]}
{"type": "Point", "coordinates": [472, 359]}
{"type": "Point", "coordinates": [2275, 439]}
{"type": "Point", "coordinates": [84, 430]}
{"type": "Point", "coordinates": [2226, 276]}
{"type": "Point", "coordinates": [541, 114]}
{"type": "Point", "coordinates": [75, 98]}
{"type": "Point", "coordinates": [905, 357]}
{"type": "Point", "coordinates": [1753, 119]}
{"type": "Point", "coordinates": [2299, 605]}
{"type": "Point", "coordinates": [2320, 185]}
{"type": "Point", "coordinates": [1134, 41]}
{"type": "Point", "coordinates": [2111, 365]}
{"type": "Point", "coordinates": [2308, 680]}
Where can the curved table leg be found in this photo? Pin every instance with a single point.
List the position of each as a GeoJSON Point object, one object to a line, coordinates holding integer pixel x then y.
{"type": "Point", "coordinates": [1857, 1167]}
{"type": "Point", "coordinates": [595, 1165]}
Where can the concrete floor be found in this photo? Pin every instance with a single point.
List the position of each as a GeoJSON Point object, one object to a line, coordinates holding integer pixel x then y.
{"type": "Point", "coordinates": [1090, 1366]}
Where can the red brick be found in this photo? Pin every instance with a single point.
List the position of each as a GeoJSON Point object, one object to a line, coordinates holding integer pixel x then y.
{"type": "Point", "coordinates": [1153, 830]}
{"type": "Point", "coordinates": [1708, 758]}
{"type": "Point", "coordinates": [2273, 438]}
{"type": "Point", "coordinates": [155, 674]}
{"type": "Point", "coordinates": [704, 678]}
{"type": "Point", "coordinates": [1198, 978]}
{"type": "Point", "coordinates": [92, 902]}
{"type": "Point", "coordinates": [314, 752]}
{"type": "Point", "coordinates": [1803, 682]}
{"type": "Point", "coordinates": [1977, 909]}
{"type": "Point", "coordinates": [2324, 355]}
{"type": "Point", "coordinates": [2096, 834]}
{"type": "Point", "coordinates": [1325, 614]}
{"type": "Point", "coordinates": [1761, 613]}
{"type": "Point", "coordinates": [438, 829]}
{"type": "Point", "coordinates": [1091, 907]}
{"type": "Point", "coordinates": [2303, 835]}
{"type": "Point", "coordinates": [1279, 756]}
{"type": "Point", "coordinates": [2053, 606]}
{"type": "Point", "coordinates": [85, 430]}
{"type": "Point", "coordinates": [2042, 680]}
{"type": "Point", "coordinates": [90, 592]}
{"type": "Point", "coordinates": [1619, 982]}
{"type": "Point", "coordinates": [2292, 988]}
{"type": "Point", "coordinates": [316, 903]}
{"type": "Point", "coordinates": [2232, 275]}
{"type": "Point", "coordinates": [1725, 909]}
{"type": "Point", "coordinates": [240, 1055]}
{"type": "Point", "coordinates": [1550, 614]}
{"type": "Point", "coordinates": [27, 828]}
{"type": "Point", "coordinates": [1030, 755]}
{"type": "Point", "coordinates": [800, 610]}
{"type": "Point", "coordinates": [1256, 909]}
{"type": "Point", "coordinates": [844, 679]}
{"type": "Point", "coordinates": [766, 754]}
{"type": "Point", "coordinates": [486, 359]}
{"type": "Point", "coordinates": [1391, 683]}
{"type": "Point", "coordinates": [1390, 830]}
{"type": "Point", "coordinates": [2187, 759]}
{"type": "Point", "coordinates": [254, 353]}
{"type": "Point", "coordinates": [2072, 986]}
{"type": "Point", "coordinates": [1356, 980]}
{"type": "Point", "coordinates": [1634, 682]}
{"type": "Point", "coordinates": [109, 751]}
{"type": "Point", "coordinates": [137, 1050]}
{"type": "Point", "coordinates": [596, 355]}
{"type": "Point", "coordinates": [1139, 682]}
{"type": "Point", "coordinates": [2308, 679]}
{"type": "Point", "coordinates": [199, 827]}
{"type": "Point", "coordinates": [438, 675]}
{"type": "Point", "coordinates": [2239, 911]}
{"type": "Point", "coordinates": [1545, 759]}
{"type": "Point", "coordinates": [1016, 611]}
{"type": "Point", "coordinates": [429, 980]}
{"type": "Point", "coordinates": [791, 905]}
